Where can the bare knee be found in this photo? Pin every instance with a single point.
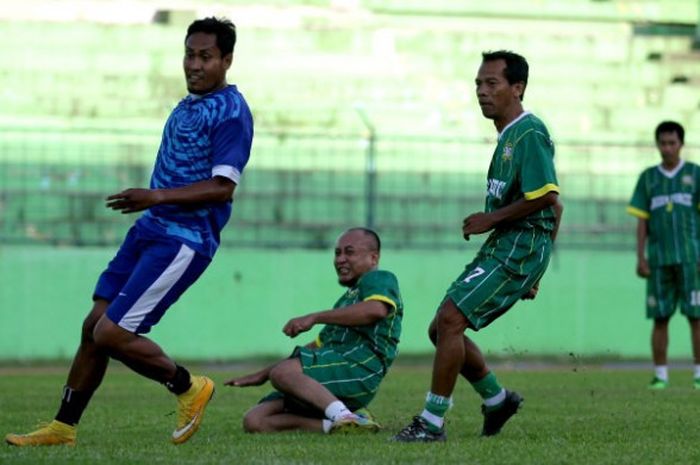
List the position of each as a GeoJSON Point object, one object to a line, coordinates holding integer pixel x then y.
{"type": "Point", "coordinates": [253, 423]}
{"type": "Point", "coordinates": [106, 335]}
{"type": "Point", "coordinates": [449, 320]}
{"type": "Point", "coordinates": [432, 332]}
{"type": "Point", "coordinates": [87, 331]}
{"type": "Point", "coordinates": [280, 375]}
{"type": "Point", "coordinates": [259, 418]}
{"type": "Point", "coordinates": [100, 337]}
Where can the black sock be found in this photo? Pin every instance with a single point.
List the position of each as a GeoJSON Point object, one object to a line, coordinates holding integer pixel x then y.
{"type": "Point", "coordinates": [73, 403]}
{"type": "Point", "coordinates": [181, 381]}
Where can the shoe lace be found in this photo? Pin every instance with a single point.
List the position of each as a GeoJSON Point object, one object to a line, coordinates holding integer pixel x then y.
{"type": "Point", "coordinates": [416, 427]}
{"type": "Point", "coordinates": [40, 425]}
{"type": "Point", "coordinates": [184, 411]}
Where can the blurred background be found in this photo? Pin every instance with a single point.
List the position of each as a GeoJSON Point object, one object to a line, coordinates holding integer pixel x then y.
{"type": "Point", "coordinates": [365, 114]}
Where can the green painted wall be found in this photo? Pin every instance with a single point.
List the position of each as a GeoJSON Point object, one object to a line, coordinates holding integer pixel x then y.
{"type": "Point", "coordinates": [590, 303]}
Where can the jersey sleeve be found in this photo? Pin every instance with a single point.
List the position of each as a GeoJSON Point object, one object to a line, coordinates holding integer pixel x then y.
{"type": "Point", "coordinates": [231, 143]}
{"type": "Point", "coordinates": [537, 173]}
{"type": "Point", "coordinates": [381, 286]}
{"type": "Point", "coordinates": [639, 205]}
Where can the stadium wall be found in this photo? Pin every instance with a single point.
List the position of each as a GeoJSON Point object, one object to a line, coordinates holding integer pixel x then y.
{"type": "Point", "coordinates": [590, 304]}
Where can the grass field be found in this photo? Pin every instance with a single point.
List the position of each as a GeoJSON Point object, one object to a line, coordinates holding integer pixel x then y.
{"type": "Point", "coordinates": [574, 414]}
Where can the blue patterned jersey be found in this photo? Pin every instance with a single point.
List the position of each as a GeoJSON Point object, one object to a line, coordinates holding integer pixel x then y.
{"type": "Point", "coordinates": [205, 136]}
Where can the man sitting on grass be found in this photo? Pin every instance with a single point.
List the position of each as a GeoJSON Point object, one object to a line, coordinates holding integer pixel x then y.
{"type": "Point", "coordinates": [321, 384]}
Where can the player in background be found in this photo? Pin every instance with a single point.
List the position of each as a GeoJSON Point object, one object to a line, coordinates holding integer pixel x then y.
{"type": "Point", "coordinates": [205, 146]}
{"type": "Point", "coordinates": [321, 384]}
{"type": "Point", "coordinates": [523, 212]}
{"type": "Point", "coordinates": [665, 202]}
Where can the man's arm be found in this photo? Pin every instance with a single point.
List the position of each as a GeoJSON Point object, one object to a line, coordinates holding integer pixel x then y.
{"type": "Point", "coordinates": [481, 222]}
{"type": "Point", "coordinates": [558, 211]}
{"type": "Point", "coordinates": [259, 377]}
{"type": "Point", "coordinates": [216, 189]}
{"type": "Point", "coordinates": [643, 270]}
{"type": "Point", "coordinates": [359, 314]}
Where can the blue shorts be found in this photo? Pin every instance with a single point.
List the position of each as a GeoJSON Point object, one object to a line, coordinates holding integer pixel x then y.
{"type": "Point", "coordinates": [146, 276]}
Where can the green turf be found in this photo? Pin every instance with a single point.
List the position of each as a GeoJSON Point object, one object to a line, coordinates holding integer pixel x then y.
{"type": "Point", "coordinates": [572, 415]}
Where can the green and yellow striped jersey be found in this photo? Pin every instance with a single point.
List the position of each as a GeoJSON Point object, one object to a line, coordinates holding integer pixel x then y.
{"type": "Point", "coordinates": [523, 167]}
{"type": "Point", "coordinates": [669, 201]}
{"type": "Point", "coordinates": [381, 337]}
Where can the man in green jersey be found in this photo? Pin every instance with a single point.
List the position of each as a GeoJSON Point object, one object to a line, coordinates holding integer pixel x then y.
{"type": "Point", "coordinates": [523, 211]}
{"type": "Point", "coordinates": [666, 202]}
{"type": "Point", "coordinates": [323, 383]}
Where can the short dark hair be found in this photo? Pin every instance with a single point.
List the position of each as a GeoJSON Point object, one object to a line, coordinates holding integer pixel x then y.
{"type": "Point", "coordinates": [222, 28]}
{"type": "Point", "coordinates": [376, 243]}
{"type": "Point", "coordinates": [670, 126]}
{"type": "Point", "coordinates": [517, 69]}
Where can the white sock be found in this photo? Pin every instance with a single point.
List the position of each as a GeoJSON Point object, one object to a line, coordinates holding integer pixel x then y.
{"type": "Point", "coordinates": [433, 419]}
{"type": "Point", "coordinates": [696, 372]}
{"type": "Point", "coordinates": [326, 426]}
{"type": "Point", "coordinates": [495, 400]}
{"type": "Point", "coordinates": [661, 372]}
{"type": "Point", "coordinates": [336, 410]}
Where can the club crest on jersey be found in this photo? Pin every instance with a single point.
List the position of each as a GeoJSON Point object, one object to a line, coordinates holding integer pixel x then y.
{"type": "Point", "coordinates": [507, 152]}
{"type": "Point", "coordinates": [687, 180]}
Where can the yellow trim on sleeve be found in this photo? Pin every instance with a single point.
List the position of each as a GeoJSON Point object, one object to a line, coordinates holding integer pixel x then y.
{"type": "Point", "coordinates": [541, 191]}
{"type": "Point", "coordinates": [382, 298]}
{"type": "Point", "coordinates": [318, 342]}
{"type": "Point", "coordinates": [634, 211]}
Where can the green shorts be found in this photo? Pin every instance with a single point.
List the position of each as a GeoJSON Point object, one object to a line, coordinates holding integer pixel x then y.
{"type": "Point", "coordinates": [352, 383]}
{"type": "Point", "coordinates": [670, 285]}
{"type": "Point", "coordinates": [488, 288]}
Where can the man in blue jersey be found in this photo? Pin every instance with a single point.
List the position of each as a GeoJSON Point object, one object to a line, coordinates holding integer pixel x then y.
{"type": "Point", "coordinates": [320, 386]}
{"type": "Point", "coordinates": [205, 147]}
{"type": "Point", "coordinates": [665, 202]}
{"type": "Point", "coordinates": [522, 211]}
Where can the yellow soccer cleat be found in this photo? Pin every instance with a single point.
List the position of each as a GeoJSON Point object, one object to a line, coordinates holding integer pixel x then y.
{"type": "Point", "coordinates": [191, 405]}
{"type": "Point", "coordinates": [52, 434]}
{"type": "Point", "coordinates": [364, 412]}
{"type": "Point", "coordinates": [354, 423]}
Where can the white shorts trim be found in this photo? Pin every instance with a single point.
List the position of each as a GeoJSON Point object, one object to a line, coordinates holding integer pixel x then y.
{"type": "Point", "coordinates": [160, 287]}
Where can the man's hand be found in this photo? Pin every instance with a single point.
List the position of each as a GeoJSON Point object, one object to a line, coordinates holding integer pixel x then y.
{"type": "Point", "coordinates": [254, 379]}
{"type": "Point", "coordinates": [477, 223]}
{"type": "Point", "coordinates": [133, 200]}
{"type": "Point", "coordinates": [643, 270]}
{"type": "Point", "coordinates": [532, 293]}
{"type": "Point", "coordinates": [298, 325]}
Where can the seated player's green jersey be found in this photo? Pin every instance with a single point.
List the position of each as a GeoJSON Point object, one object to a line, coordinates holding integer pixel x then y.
{"type": "Point", "coordinates": [669, 201]}
{"type": "Point", "coordinates": [380, 338]}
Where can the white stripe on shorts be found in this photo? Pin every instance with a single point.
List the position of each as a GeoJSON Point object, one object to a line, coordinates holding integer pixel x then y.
{"type": "Point", "coordinates": [160, 287]}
